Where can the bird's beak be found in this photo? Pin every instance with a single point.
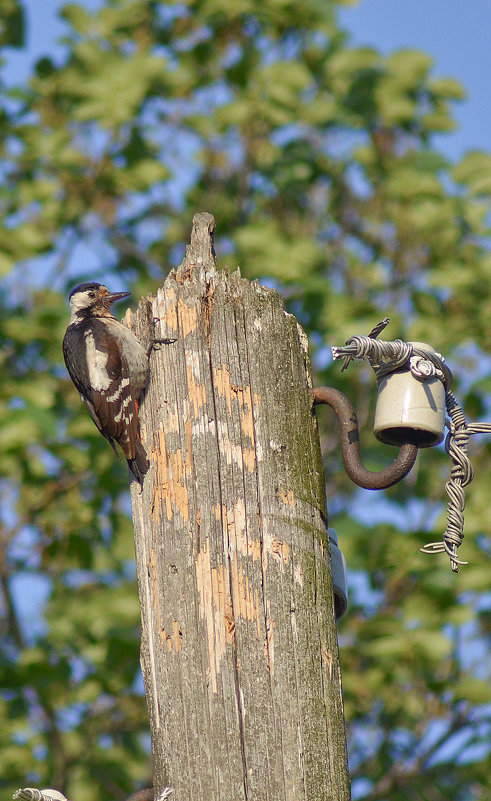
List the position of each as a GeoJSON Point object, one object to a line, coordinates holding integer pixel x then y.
{"type": "Point", "coordinates": [111, 297]}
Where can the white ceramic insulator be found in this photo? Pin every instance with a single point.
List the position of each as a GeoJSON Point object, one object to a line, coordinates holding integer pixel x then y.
{"type": "Point", "coordinates": [410, 410]}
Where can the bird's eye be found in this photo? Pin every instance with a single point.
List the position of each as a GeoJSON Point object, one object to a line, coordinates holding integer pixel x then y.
{"type": "Point", "coordinates": [91, 294]}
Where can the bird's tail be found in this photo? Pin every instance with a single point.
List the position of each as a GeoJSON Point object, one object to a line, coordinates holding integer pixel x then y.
{"type": "Point", "coordinates": [140, 464]}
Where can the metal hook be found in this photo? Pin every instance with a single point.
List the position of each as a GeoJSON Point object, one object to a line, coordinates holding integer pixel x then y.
{"type": "Point", "coordinates": [350, 445]}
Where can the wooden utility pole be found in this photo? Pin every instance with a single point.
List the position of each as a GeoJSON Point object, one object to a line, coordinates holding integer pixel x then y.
{"type": "Point", "coordinates": [239, 646]}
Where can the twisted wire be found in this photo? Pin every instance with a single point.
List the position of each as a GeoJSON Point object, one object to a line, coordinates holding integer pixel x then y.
{"type": "Point", "coordinates": [387, 356]}
{"type": "Point", "coordinates": [461, 475]}
{"type": "Point", "coordinates": [33, 794]}
{"type": "Point", "coordinates": [378, 352]}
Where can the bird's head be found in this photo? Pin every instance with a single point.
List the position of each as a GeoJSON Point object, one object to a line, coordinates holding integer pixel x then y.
{"type": "Point", "coordinates": [92, 300]}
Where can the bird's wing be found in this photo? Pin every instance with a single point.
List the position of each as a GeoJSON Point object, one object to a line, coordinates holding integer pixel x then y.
{"type": "Point", "coordinates": [105, 387]}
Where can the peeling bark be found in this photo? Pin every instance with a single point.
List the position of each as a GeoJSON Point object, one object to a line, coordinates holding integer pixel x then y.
{"type": "Point", "coordinates": [239, 647]}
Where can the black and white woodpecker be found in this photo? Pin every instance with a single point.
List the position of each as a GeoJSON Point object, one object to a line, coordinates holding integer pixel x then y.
{"type": "Point", "coordinates": [109, 367]}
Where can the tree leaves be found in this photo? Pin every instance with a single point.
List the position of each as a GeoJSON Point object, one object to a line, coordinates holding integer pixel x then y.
{"type": "Point", "coordinates": [12, 24]}
{"type": "Point", "coordinates": [475, 171]}
{"type": "Point", "coordinates": [316, 159]}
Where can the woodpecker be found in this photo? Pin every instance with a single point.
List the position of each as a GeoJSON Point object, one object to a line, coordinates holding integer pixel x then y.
{"type": "Point", "coordinates": [109, 367]}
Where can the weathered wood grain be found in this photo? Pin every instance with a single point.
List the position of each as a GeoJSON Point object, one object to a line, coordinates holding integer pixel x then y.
{"type": "Point", "coordinates": [239, 647]}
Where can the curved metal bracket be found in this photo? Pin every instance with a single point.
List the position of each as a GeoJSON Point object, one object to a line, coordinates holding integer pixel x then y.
{"type": "Point", "coordinates": [350, 445]}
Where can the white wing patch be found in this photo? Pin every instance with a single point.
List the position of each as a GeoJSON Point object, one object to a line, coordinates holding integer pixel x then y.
{"type": "Point", "coordinates": [125, 411]}
{"type": "Point", "coordinates": [96, 364]}
{"type": "Point", "coordinates": [123, 383]}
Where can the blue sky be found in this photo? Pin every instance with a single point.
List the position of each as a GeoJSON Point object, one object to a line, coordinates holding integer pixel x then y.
{"type": "Point", "coordinates": [455, 32]}
{"type": "Point", "coordinates": [458, 36]}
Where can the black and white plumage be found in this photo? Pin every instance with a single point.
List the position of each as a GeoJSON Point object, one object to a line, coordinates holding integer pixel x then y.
{"type": "Point", "coordinates": [109, 367]}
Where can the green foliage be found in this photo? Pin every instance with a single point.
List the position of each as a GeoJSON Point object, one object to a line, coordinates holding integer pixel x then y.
{"type": "Point", "coordinates": [12, 24]}
{"type": "Point", "coordinates": [317, 161]}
